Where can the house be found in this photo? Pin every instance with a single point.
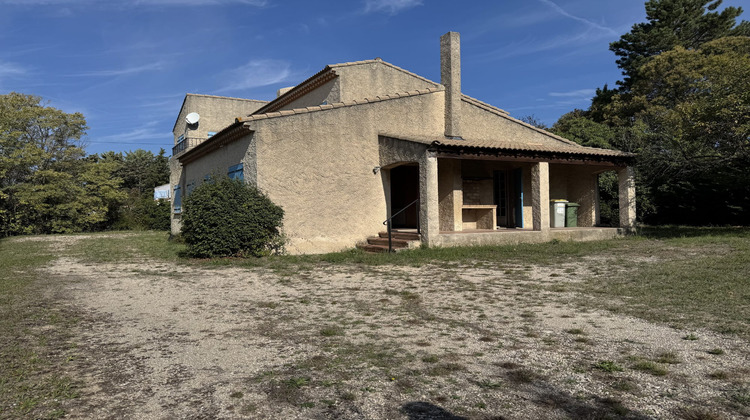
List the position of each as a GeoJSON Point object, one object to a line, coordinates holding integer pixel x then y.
{"type": "Point", "coordinates": [162, 192]}
{"type": "Point", "coordinates": [358, 142]}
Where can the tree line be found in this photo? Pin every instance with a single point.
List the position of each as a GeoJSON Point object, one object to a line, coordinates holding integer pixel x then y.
{"type": "Point", "coordinates": [683, 106]}
{"type": "Point", "coordinates": [49, 185]}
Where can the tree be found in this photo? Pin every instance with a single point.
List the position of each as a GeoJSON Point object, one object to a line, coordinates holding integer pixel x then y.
{"type": "Point", "coordinates": [53, 201]}
{"type": "Point", "coordinates": [695, 106]}
{"type": "Point", "coordinates": [532, 120]}
{"type": "Point", "coordinates": [577, 126]}
{"type": "Point", "coordinates": [674, 23]}
{"type": "Point", "coordinates": [37, 143]}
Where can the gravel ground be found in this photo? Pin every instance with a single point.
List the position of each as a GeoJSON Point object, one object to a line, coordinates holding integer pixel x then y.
{"type": "Point", "coordinates": [162, 340]}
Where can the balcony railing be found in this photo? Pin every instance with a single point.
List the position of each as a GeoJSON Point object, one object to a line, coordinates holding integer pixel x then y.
{"type": "Point", "coordinates": [185, 145]}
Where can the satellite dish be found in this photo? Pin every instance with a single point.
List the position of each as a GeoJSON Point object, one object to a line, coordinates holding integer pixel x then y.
{"type": "Point", "coordinates": [192, 118]}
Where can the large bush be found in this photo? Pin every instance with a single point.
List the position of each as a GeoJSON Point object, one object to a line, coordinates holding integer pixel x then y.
{"type": "Point", "coordinates": [225, 217]}
{"type": "Point", "coordinates": [142, 212]}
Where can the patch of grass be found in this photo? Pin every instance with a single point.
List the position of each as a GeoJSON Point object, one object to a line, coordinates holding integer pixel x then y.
{"type": "Point", "coordinates": [608, 366]}
{"type": "Point", "coordinates": [35, 343]}
{"type": "Point", "coordinates": [110, 247]}
{"type": "Point", "coordinates": [575, 331]}
{"type": "Point", "coordinates": [523, 376]}
{"type": "Point", "coordinates": [331, 331]}
{"type": "Point", "coordinates": [236, 394]}
{"type": "Point", "coordinates": [697, 413]}
{"type": "Point", "coordinates": [444, 369]}
{"type": "Point", "coordinates": [669, 358]}
{"type": "Point", "coordinates": [487, 384]}
{"type": "Point", "coordinates": [699, 280]}
{"type": "Point", "coordinates": [430, 359]}
{"type": "Point", "coordinates": [690, 337]}
{"type": "Point", "coordinates": [717, 351]}
{"type": "Point", "coordinates": [625, 385]}
{"type": "Point", "coordinates": [719, 374]}
{"type": "Point", "coordinates": [650, 368]}
{"type": "Point", "coordinates": [348, 396]}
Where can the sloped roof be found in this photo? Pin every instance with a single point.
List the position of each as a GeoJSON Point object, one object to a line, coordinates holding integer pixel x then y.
{"type": "Point", "coordinates": [276, 114]}
{"type": "Point", "coordinates": [550, 145]}
{"type": "Point", "coordinates": [329, 72]}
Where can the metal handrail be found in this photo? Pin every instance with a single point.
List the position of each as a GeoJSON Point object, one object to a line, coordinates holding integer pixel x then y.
{"type": "Point", "coordinates": [388, 223]}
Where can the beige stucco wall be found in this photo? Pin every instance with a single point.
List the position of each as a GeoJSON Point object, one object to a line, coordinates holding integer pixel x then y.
{"type": "Point", "coordinates": [318, 167]}
{"type": "Point", "coordinates": [216, 113]}
{"type": "Point", "coordinates": [329, 92]}
{"type": "Point", "coordinates": [481, 124]}
{"type": "Point", "coordinates": [216, 162]}
{"type": "Point", "coordinates": [373, 79]}
{"type": "Point", "coordinates": [175, 177]}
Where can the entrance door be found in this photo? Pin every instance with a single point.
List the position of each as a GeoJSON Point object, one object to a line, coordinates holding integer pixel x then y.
{"type": "Point", "coordinates": [518, 196]}
{"type": "Point", "coordinates": [501, 197]}
{"type": "Point", "coordinates": [508, 186]}
{"type": "Point", "coordinates": [404, 190]}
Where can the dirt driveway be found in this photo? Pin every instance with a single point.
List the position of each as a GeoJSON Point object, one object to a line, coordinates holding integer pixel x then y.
{"type": "Point", "coordinates": [165, 340]}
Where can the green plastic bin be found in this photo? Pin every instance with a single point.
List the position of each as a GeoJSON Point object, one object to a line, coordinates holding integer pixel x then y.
{"type": "Point", "coordinates": [571, 214]}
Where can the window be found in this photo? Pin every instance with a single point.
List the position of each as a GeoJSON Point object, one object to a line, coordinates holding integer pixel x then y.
{"type": "Point", "coordinates": [181, 138]}
{"type": "Point", "coordinates": [177, 199]}
{"type": "Point", "coordinates": [211, 133]}
{"type": "Point", "coordinates": [190, 188]}
{"type": "Point", "coordinates": [235, 172]}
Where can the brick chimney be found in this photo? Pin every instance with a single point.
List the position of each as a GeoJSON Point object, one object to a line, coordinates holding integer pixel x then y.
{"type": "Point", "coordinates": [450, 77]}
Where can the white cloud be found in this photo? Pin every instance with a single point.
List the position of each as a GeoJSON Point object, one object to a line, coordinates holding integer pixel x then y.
{"type": "Point", "coordinates": [580, 93]}
{"type": "Point", "coordinates": [390, 6]}
{"type": "Point", "coordinates": [11, 71]}
{"type": "Point", "coordinates": [533, 45]}
{"type": "Point", "coordinates": [123, 72]}
{"type": "Point", "coordinates": [587, 22]}
{"type": "Point", "coordinates": [256, 73]}
{"type": "Point", "coordinates": [146, 131]}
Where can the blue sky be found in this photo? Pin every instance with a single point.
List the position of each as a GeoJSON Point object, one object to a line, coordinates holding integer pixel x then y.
{"type": "Point", "coordinates": [127, 64]}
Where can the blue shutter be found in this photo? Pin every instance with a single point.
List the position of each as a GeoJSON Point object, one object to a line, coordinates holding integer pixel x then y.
{"type": "Point", "coordinates": [235, 172]}
{"type": "Point", "coordinates": [177, 199]}
{"type": "Point", "coordinates": [211, 133]}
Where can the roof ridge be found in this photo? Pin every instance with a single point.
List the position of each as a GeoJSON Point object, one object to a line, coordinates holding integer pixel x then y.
{"type": "Point", "coordinates": [545, 132]}
{"type": "Point", "coordinates": [379, 60]}
{"type": "Point", "coordinates": [483, 104]}
{"type": "Point", "coordinates": [204, 95]}
{"type": "Point", "coordinates": [305, 110]}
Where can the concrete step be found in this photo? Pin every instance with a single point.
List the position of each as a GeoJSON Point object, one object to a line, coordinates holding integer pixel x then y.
{"type": "Point", "coordinates": [408, 236]}
{"type": "Point", "coordinates": [397, 243]}
{"type": "Point", "coordinates": [373, 248]}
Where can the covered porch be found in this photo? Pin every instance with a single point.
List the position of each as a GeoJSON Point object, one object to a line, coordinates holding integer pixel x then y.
{"type": "Point", "coordinates": [463, 194]}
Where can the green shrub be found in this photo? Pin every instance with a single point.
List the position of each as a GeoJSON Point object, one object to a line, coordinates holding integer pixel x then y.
{"type": "Point", "coordinates": [225, 217]}
{"type": "Point", "coordinates": [142, 212]}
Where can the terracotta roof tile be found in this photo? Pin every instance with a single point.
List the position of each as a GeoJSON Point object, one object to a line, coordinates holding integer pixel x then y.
{"type": "Point", "coordinates": [553, 146]}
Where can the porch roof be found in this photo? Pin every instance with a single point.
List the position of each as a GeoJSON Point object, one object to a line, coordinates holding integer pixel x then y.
{"type": "Point", "coordinates": [539, 149]}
